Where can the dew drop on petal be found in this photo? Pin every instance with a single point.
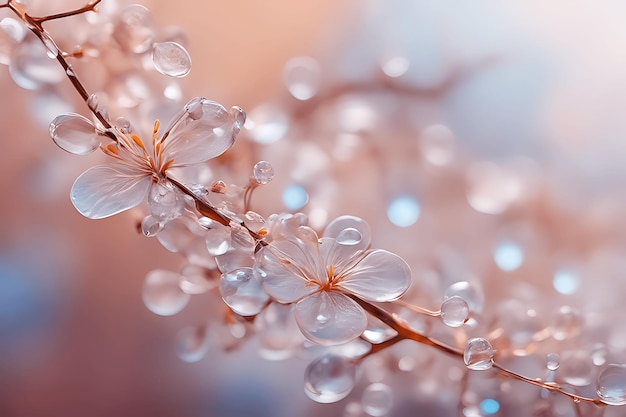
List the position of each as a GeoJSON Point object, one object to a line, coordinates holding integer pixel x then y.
{"type": "Point", "coordinates": [478, 354]}
{"type": "Point", "coordinates": [403, 211]}
{"type": "Point", "coordinates": [171, 58]}
{"type": "Point", "coordinates": [75, 134]}
{"type": "Point", "coordinates": [162, 294]}
{"type": "Point", "coordinates": [454, 311]}
{"type": "Point", "coordinates": [349, 237]}
{"type": "Point", "coordinates": [302, 77]}
{"type": "Point", "coordinates": [267, 124]}
{"type": "Point", "coordinates": [377, 399]}
{"type": "Point", "coordinates": [553, 360]}
{"type": "Point", "coordinates": [150, 226]}
{"type": "Point", "coordinates": [612, 385]}
{"type": "Point", "coordinates": [329, 378]}
{"type": "Point", "coordinates": [192, 343]}
{"type": "Point", "coordinates": [242, 292]}
{"type": "Point", "coordinates": [263, 172]}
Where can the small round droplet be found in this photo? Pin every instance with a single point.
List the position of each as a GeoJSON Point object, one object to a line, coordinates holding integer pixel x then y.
{"type": "Point", "coordinates": [302, 77]}
{"type": "Point", "coordinates": [150, 226]}
{"type": "Point", "coordinates": [349, 237]}
{"type": "Point", "coordinates": [612, 385]}
{"type": "Point", "coordinates": [263, 172]}
{"type": "Point", "coordinates": [171, 58]}
{"type": "Point", "coordinates": [454, 311]}
{"type": "Point", "coordinates": [553, 360]}
{"type": "Point", "coordinates": [192, 343]}
{"type": "Point", "coordinates": [162, 294]}
{"type": "Point", "coordinates": [329, 378]}
{"type": "Point", "coordinates": [242, 292]}
{"type": "Point", "coordinates": [403, 211]}
{"type": "Point", "coordinates": [75, 134]}
{"type": "Point", "coordinates": [478, 354]}
{"type": "Point", "coordinates": [377, 399]}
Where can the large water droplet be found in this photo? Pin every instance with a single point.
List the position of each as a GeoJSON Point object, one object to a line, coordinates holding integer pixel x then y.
{"type": "Point", "coordinates": [329, 378]}
{"type": "Point", "coordinates": [242, 292]}
{"type": "Point", "coordinates": [171, 58]}
{"type": "Point", "coordinates": [612, 385]}
{"type": "Point", "coordinates": [478, 354]}
{"type": "Point", "coordinates": [218, 241]}
{"type": "Point", "coordinates": [302, 77]}
{"type": "Point", "coordinates": [263, 172]}
{"type": "Point", "coordinates": [75, 134]}
{"type": "Point", "coordinates": [135, 29]}
{"type": "Point", "coordinates": [349, 237]}
{"type": "Point", "coordinates": [553, 360]}
{"type": "Point", "coordinates": [377, 399]}
{"type": "Point", "coordinates": [30, 67]}
{"type": "Point", "coordinates": [454, 311]}
{"type": "Point", "coordinates": [162, 294]}
{"type": "Point", "coordinates": [192, 343]}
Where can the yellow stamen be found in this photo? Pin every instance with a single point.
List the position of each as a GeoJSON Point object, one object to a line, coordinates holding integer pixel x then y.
{"type": "Point", "coordinates": [138, 142]}
{"type": "Point", "coordinates": [330, 272]}
{"type": "Point", "coordinates": [262, 232]}
{"type": "Point", "coordinates": [111, 148]}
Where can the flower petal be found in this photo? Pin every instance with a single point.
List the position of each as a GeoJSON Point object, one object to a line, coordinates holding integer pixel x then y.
{"type": "Point", "coordinates": [105, 190]}
{"type": "Point", "coordinates": [204, 130]}
{"type": "Point", "coordinates": [330, 318]}
{"type": "Point", "coordinates": [281, 278]}
{"type": "Point", "coordinates": [340, 224]}
{"type": "Point", "coordinates": [379, 276]}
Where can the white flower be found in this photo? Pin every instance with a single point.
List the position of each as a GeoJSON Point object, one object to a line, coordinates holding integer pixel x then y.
{"type": "Point", "coordinates": [203, 130]}
{"type": "Point", "coordinates": [317, 274]}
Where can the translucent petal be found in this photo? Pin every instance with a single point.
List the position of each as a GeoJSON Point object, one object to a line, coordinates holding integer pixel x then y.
{"type": "Point", "coordinates": [330, 318]}
{"type": "Point", "coordinates": [280, 278]}
{"type": "Point", "coordinates": [105, 190]}
{"type": "Point", "coordinates": [379, 276]}
{"type": "Point", "coordinates": [75, 134]}
{"type": "Point", "coordinates": [204, 130]}
{"type": "Point", "coordinates": [171, 58]}
{"type": "Point", "coordinates": [341, 257]}
{"type": "Point", "coordinates": [337, 226]}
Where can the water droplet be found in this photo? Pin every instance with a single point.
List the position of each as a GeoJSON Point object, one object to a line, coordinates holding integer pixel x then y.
{"type": "Point", "coordinates": [75, 134]}
{"type": "Point", "coordinates": [302, 77]}
{"type": "Point", "coordinates": [31, 69]}
{"type": "Point", "coordinates": [218, 241]}
{"type": "Point", "coordinates": [508, 256]}
{"type": "Point", "coordinates": [553, 360]}
{"type": "Point", "coordinates": [349, 237]}
{"type": "Point", "coordinates": [171, 58]}
{"type": "Point", "coordinates": [566, 281]}
{"type": "Point", "coordinates": [437, 145]}
{"type": "Point", "coordinates": [165, 201]}
{"type": "Point", "coordinates": [329, 378]}
{"type": "Point", "coordinates": [135, 29]}
{"type": "Point", "coordinates": [192, 343]}
{"type": "Point", "coordinates": [471, 293]}
{"type": "Point", "coordinates": [294, 197]}
{"type": "Point", "coordinates": [150, 226]}
{"type": "Point", "coordinates": [242, 292]}
{"type": "Point", "coordinates": [454, 311]}
{"type": "Point", "coordinates": [576, 368]}
{"type": "Point", "coordinates": [403, 211]}
{"type": "Point", "coordinates": [377, 399]}
{"type": "Point", "coordinates": [162, 294]}
{"type": "Point", "coordinates": [267, 124]}
{"type": "Point", "coordinates": [478, 354]}
{"type": "Point", "coordinates": [263, 172]}
{"type": "Point", "coordinates": [566, 323]}
{"type": "Point", "coordinates": [53, 50]}
{"type": "Point", "coordinates": [612, 385]}
{"type": "Point", "coordinates": [93, 102]}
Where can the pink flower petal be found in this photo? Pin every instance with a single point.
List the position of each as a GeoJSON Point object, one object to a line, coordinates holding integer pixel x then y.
{"type": "Point", "coordinates": [330, 318]}
{"type": "Point", "coordinates": [338, 225]}
{"type": "Point", "coordinates": [379, 276]}
{"type": "Point", "coordinates": [105, 190]}
{"type": "Point", "coordinates": [204, 130]}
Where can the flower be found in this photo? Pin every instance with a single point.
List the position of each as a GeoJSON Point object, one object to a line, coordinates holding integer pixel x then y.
{"type": "Point", "coordinates": [203, 130]}
{"type": "Point", "coordinates": [318, 274]}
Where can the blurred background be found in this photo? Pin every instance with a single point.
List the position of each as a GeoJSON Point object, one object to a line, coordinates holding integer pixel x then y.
{"type": "Point", "coordinates": [526, 95]}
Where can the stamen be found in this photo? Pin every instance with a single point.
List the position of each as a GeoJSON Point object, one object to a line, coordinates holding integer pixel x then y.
{"type": "Point", "coordinates": [167, 165]}
{"type": "Point", "coordinates": [330, 272]}
{"type": "Point", "coordinates": [138, 142]}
